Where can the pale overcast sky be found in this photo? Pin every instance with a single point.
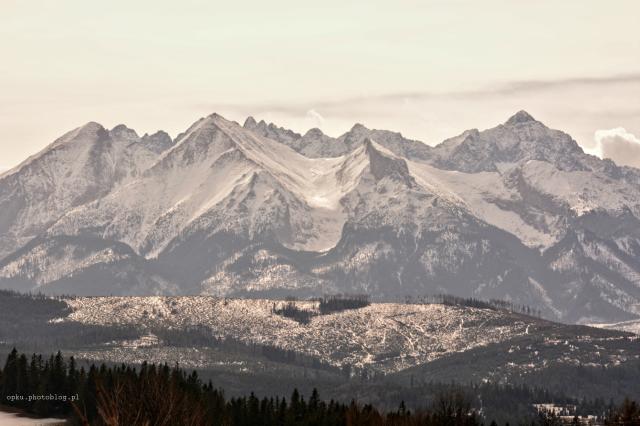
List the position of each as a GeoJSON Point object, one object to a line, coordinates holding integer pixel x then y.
{"type": "Point", "coordinates": [429, 69]}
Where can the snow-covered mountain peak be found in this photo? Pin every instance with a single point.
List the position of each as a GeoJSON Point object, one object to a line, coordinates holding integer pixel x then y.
{"type": "Point", "coordinates": [89, 132]}
{"type": "Point", "coordinates": [200, 131]}
{"type": "Point", "coordinates": [519, 117]}
{"type": "Point", "coordinates": [202, 123]}
{"type": "Point", "coordinates": [229, 209]}
{"type": "Point", "coordinates": [521, 139]}
{"type": "Point", "coordinates": [83, 165]}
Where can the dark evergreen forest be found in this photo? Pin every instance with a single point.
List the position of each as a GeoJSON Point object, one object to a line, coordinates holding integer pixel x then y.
{"type": "Point", "coordinates": [151, 394]}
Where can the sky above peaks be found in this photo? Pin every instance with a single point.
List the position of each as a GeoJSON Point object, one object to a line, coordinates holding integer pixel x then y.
{"type": "Point", "coordinates": [429, 69]}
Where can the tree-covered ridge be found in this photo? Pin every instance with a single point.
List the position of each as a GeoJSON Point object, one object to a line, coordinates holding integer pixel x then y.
{"type": "Point", "coordinates": [159, 394]}
{"type": "Point", "coordinates": [269, 368]}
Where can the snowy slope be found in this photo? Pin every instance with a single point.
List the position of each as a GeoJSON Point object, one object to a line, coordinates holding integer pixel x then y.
{"type": "Point", "coordinates": [215, 176]}
{"type": "Point", "coordinates": [81, 166]}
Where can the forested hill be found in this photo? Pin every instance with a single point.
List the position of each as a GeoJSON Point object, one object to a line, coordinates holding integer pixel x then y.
{"type": "Point", "coordinates": [155, 395]}
{"type": "Point", "coordinates": [159, 394]}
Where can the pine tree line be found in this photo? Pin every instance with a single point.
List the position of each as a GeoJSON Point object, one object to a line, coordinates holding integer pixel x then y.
{"type": "Point", "coordinates": [291, 310]}
{"type": "Point", "coordinates": [158, 394]}
{"type": "Point", "coordinates": [472, 302]}
{"type": "Point", "coordinates": [150, 395]}
{"type": "Point", "coordinates": [325, 305]}
{"type": "Point", "coordinates": [337, 303]}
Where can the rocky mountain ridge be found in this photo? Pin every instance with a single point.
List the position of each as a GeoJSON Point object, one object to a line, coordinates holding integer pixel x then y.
{"type": "Point", "coordinates": [516, 212]}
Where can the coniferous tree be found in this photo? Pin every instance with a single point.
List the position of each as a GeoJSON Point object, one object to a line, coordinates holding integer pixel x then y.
{"type": "Point", "coordinates": [9, 383]}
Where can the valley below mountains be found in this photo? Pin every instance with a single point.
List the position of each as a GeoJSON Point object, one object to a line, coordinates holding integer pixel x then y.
{"type": "Point", "coordinates": [517, 212]}
{"type": "Point", "coordinates": [381, 353]}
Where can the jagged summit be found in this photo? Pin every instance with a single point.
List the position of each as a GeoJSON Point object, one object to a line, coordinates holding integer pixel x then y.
{"type": "Point", "coordinates": [358, 128]}
{"type": "Point", "coordinates": [157, 142]}
{"type": "Point", "coordinates": [250, 123]}
{"type": "Point", "coordinates": [123, 132]}
{"type": "Point", "coordinates": [315, 144]}
{"type": "Point", "coordinates": [313, 133]}
{"type": "Point", "coordinates": [520, 117]}
{"type": "Point", "coordinates": [522, 138]}
{"type": "Point", "coordinates": [384, 164]}
{"type": "Point", "coordinates": [157, 134]}
{"type": "Point", "coordinates": [272, 131]}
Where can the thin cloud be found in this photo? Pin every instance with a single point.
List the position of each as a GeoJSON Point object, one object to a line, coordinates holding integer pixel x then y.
{"type": "Point", "coordinates": [505, 88]}
{"type": "Point", "coordinates": [580, 81]}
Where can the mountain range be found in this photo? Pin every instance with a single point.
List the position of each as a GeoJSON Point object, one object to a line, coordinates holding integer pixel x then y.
{"type": "Point", "coordinates": [516, 212]}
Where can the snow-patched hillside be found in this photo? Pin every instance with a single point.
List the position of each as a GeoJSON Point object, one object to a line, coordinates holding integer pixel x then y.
{"type": "Point", "coordinates": [515, 212]}
{"type": "Point", "coordinates": [386, 337]}
{"type": "Point", "coordinates": [382, 337]}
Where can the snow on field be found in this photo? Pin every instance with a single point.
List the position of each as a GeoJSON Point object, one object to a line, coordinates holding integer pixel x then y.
{"type": "Point", "coordinates": [12, 419]}
{"type": "Point", "coordinates": [387, 336]}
